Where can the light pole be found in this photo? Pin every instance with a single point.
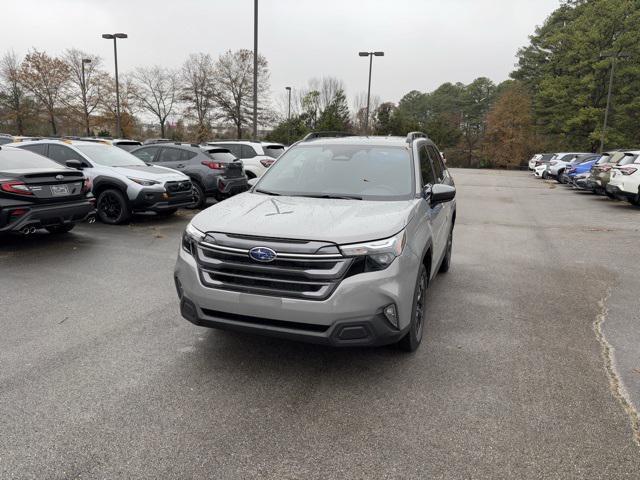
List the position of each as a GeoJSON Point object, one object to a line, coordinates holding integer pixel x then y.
{"type": "Point", "coordinates": [84, 96]}
{"type": "Point", "coordinates": [288, 89]}
{"type": "Point", "coordinates": [613, 58]}
{"type": "Point", "coordinates": [114, 37]}
{"type": "Point", "coordinates": [370, 55]}
{"type": "Point", "coordinates": [255, 69]}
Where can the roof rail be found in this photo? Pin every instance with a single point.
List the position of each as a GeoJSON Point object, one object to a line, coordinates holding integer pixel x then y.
{"type": "Point", "coordinates": [327, 134]}
{"type": "Point", "coordinates": [411, 136]}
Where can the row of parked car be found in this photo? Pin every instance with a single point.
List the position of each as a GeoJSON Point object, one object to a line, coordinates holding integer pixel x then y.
{"type": "Point", "coordinates": [615, 173]}
{"type": "Point", "coordinates": [55, 183]}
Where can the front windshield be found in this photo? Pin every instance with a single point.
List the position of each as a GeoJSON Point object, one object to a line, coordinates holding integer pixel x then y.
{"type": "Point", "coordinates": [354, 171]}
{"type": "Point", "coordinates": [109, 156]}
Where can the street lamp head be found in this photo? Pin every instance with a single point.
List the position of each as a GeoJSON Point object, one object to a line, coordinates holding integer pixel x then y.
{"type": "Point", "coordinates": [363, 54]}
{"type": "Point", "coordinates": [121, 35]}
{"type": "Point", "coordinates": [287, 88]}
{"type": "Point", "coordinates": [86, 60]}
{"type": "Point", "coordinates": [379, 54]}
{"type": "Point", "coordinates": [108, 36]}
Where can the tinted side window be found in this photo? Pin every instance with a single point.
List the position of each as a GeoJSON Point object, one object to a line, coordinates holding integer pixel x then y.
{"type": "Point", "coordinates": [247, 152]}
{"type": "Point", "coordinates": [232, 147]}
{"type": "Point", "coordinates": [40, 148]}
{"type": "Point", "coordinates": [146, 154]}
{"type": "Point", "coordinates": [170, 155]}
{"type": "Point", "coordinates": [426, 171]}
{"type": "Point", "coordinates": [438, 166]}
{"type": "Point", "coordinates": [187, 155]}
{"type": "Point", "coordinates": [60, 154]}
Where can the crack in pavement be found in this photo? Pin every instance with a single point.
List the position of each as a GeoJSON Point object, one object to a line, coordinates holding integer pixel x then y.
{"type": "Point", "coordinates": [615, 383]}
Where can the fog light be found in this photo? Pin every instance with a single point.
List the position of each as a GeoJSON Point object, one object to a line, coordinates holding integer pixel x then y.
{"type": "Point", "coordinates": [391, 313]}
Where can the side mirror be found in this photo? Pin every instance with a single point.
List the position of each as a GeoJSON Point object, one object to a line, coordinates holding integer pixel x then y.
{"type": "Point", "coordinates": [252, 181]}
{"type": "Point", "coordinates": [77, 164]}
{"type": "Point", "coordinates": [441, 193]}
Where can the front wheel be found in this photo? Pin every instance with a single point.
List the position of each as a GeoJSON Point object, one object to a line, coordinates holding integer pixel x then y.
{"type": "Point", "coordinates": [199, 197]}
{"type": "Point", "coordinates": [60, 228]}
{"type": "Point", "coordinates": [411, 341]}
{"type": "Point", "coordinates": [113, 208]}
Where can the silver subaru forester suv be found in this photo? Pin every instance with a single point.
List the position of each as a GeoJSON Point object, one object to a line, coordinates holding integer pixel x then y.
{"type": "Point", "coordinates": [335, 244]}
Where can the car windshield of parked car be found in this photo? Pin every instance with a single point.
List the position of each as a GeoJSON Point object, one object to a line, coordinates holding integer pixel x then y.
{"type": "Point", "coordinates": [351, 171]}
{"type": "Point", "coordinates": [273, 151]}
{"type": "Point", "coordinates": [109, 156]}
{"type": "Point", "coordinates": [16, 159]}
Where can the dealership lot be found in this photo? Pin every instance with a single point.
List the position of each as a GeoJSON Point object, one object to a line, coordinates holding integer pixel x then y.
{"type": "Point", "coordinates": [101, 378]}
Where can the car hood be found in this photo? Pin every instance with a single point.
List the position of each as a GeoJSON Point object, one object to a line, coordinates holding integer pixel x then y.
{"type": "Point", "coordinates": [332, 220]}
{"type": "Point", "coordinates": [147, 172]}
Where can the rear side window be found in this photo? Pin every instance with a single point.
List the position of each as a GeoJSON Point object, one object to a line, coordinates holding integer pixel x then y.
{"type": "Point", "coordinates": [221, 155]}
{"type": "Point", "coordinates": [5, 140]}
{"type": "Point", "coordinates": [273, 151]}
{"type": "Point", "coordinates": [428, 178]}
{"type": "Point", "coordinates": [17, 159]}
{"type": "Point", "coordinates": [39, 148]}
{"type": "Point", "coordinates": [146, 154]}
{"type": "Point", "coordinates": [170, 155]}
{"type": "Point", "coordinates": [247, 152]}
{"type": "Point", "coordinates": [128, 146]}
{"type": "Point", "coordinates": [187, 155]}
{"type": "Point", "coordinates": [60, 154]}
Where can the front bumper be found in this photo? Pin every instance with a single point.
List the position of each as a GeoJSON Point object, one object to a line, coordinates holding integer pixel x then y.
{"type": "Point", "coordinates": [46, 215]}
{"type": "Point", "coordinates": [151, 200]}
{"type": "Point", "coordinates": [351, 315]}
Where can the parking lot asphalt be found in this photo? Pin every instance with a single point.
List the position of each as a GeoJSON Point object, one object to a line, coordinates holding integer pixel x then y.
{"type": "Point", "coordinates": [529, 368]}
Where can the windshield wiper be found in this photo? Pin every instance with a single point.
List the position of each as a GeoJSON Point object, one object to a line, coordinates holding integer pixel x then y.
{"type": "Point", "coordinates": [267, 192]}
{"type": "Point", "coordinates": [327, 195]}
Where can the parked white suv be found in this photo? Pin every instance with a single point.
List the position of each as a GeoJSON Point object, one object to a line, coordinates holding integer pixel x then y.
{"type": "Point", "coordinates": [560, 162]}
{"type": "Point", "coordinates": [256, 156]}
{"type": "Point", "coordinates": [624, 181]}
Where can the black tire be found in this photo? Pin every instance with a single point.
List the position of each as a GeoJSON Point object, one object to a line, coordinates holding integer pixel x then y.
{"type": "Point", "coordinates": [411, 341]}
{"type": "Point", "coordinates": [113, 208]}
{"type": "Point", "coordinates": [545, 175]}
{"type": "Point", "coordinates": [560, 177]}
{"type": "Point", "coordinates": [200, 198]}
{"type": "Point", "coordinates": [610, 195]}
{"type": "Point", "coordinates": [446, 261]}
{"type": "Point", "coordinates": [60, 228]}
{"type": "Point", "coordinates": [635, 200]}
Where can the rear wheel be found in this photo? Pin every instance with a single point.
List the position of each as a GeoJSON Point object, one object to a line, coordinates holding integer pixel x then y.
{"type": "Point", "coordinates": [411, 341]}
{"type": "Point", "coordinates": [60, 228]}
{"type": "Point", "coordinates": [199, 197]}
{"type": "Point", "coordinates": [113, 208]}
{"type": "Point", "coordinates": [560, 177]}
{"type": "Point", "coordinates": [635, 200]}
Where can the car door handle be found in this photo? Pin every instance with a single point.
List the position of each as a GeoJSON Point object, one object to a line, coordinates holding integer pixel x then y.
{"type": "Point", "coordinates": [180, 165]}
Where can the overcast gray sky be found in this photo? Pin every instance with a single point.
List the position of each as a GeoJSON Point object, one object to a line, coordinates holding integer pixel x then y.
{"type": "Point", "coordinates": [426, 42]}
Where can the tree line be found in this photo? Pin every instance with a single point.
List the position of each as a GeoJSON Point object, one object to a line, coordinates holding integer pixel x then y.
{"type": "Point", "coordinates": [73, 94]}
{"type": "Point", "coordinates": [554, 101]}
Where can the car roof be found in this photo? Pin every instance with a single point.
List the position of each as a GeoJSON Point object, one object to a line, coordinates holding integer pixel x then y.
{"type": "Point", "coordinates": [63, 142]}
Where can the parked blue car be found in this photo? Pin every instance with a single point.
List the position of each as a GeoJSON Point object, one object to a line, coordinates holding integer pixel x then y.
{"type": "Point", "coordinates": [579, 173]}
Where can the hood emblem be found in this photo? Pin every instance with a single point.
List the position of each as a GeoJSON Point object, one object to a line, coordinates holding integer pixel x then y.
{"type": "Point", "coordinates": [59, 177]}
{"type": "Point", "coordinates": [262, 254]}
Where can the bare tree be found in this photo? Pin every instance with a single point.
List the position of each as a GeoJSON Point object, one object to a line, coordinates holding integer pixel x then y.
{"type": "Point", "coordinates": [156, 91]}
{"type": "Point", "coordinates": [46, 77]}
{"type": "Point", "coordinates": [360, 111]}
{"type": "Point", "coordinates": [107, 108]}
{"type": "Point", "coordinates": [233, 92]}
{"type": "Point", "coordinates": [197, 91]}
{"type": "Point", "coordinates": [12, 97]}
{"type": "Point", "coordinates": [85, 91]}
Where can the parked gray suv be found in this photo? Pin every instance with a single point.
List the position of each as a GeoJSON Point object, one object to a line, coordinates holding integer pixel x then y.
{"type": "Point", "coordinates": [335, 244]}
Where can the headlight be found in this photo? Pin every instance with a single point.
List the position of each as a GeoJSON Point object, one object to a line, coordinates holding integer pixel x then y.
{"type": "Point", "coordinates": [190, 238]}
{"type": "Point", "coordinates": [145, 183]}
{"type": "Point", "coordinates": [379, 253]}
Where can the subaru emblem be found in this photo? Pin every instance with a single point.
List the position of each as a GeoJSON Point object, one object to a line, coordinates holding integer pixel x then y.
{"type": "Point", "coordinates": [59, 177]}
{"type": "Point", "coordinates": [262, 254]}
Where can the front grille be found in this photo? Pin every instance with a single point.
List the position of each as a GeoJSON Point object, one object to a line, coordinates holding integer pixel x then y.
{"type": "Point", "coordinates": [178, 187]}
{"type": "Point", "coordinates": [294, 273]}
{"type": "Point", "coordinates": [310, 327]}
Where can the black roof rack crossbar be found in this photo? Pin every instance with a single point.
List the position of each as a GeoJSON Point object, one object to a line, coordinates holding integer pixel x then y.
{"type": "Point", "coordinates": [411, 136]}
{"type": "Point", "coordinates": [327, 134]}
